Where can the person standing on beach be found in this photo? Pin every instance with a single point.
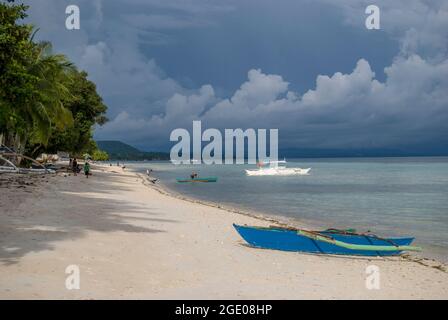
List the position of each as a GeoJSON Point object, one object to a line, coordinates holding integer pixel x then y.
{"type": "Point", "coordinates": [75, 166]}
{"type": "Point", "coordinates": [87, 169]}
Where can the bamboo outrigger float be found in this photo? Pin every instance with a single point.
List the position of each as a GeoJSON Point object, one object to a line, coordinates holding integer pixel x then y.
{"type": "Point", "coordinates": [7, 152]}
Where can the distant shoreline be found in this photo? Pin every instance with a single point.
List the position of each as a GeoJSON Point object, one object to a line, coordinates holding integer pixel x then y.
{"type": "Point", "coordinates": [275, 219]}
{"type": "Point", "coordinates": [262, 216]}
{"type": "Point", "coordinates": [437, 157]}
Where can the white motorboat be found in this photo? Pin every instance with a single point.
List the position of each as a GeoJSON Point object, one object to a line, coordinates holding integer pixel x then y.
{"type": "Point", "coordinates": [276, 168]}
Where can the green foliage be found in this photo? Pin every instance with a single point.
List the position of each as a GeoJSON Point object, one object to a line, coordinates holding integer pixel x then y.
{"type": "Point", "coordinates": [16, 84]}
{"type": "Point", "coordinates": [53, 82]}
{"type": "Point", "coordinates": [87, 109]}
{"type": "Point", "coordinates": [46, 104]}
{"type": "Point", "coordinates": [99, 155]}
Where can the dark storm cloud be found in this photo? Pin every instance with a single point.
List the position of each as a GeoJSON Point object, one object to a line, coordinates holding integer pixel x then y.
{"type": "Point", "coordinates": [362, 97]}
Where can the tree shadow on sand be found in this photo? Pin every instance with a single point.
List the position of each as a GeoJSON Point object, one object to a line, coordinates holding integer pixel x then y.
{"type": "Point", "coordinates": [66, 211]}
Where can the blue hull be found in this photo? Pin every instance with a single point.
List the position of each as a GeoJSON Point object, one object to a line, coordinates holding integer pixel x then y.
{"type": "Point", "coordinates": [289, 240]}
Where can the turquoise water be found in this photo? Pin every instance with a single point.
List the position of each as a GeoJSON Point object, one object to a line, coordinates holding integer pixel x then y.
{"type": "Point", "coordinates": [388, 196]}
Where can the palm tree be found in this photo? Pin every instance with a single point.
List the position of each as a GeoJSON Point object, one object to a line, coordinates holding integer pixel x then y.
{"type": "Point", "coordinates": [52, 77]}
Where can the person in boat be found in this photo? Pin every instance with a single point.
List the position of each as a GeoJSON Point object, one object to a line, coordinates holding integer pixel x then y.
{"type": "Point", "coordinates": [75, 166]}
{"type": "Point", "coordinates": [87, 169]}
{"type": "Point", "coordinates": [193, 175]}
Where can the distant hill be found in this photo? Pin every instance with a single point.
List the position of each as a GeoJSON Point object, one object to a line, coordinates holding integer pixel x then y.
{"type": "Point", "coordinates": [118, 150]}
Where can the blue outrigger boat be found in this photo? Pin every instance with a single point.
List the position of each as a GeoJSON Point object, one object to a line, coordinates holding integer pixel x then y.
{"type": "Point", "coordinates": [331, 241]}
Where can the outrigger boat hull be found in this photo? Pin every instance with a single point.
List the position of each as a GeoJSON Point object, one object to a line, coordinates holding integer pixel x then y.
{"type": "Point", "coordinates": [207, 179]}
{"type": "Point", "coordinates": [292, 240]}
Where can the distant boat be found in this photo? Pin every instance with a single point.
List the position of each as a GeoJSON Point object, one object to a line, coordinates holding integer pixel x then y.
{"type": "Point", "coordinates": [330, 241]}
{"type": "Point", "coordinates": [192, 161]}
{"type": "Point", "coordinates": [276, 168]}
{"type": "Point", "coordinates": [206, 179]}
{"type": "Point", "coordinates": [280, 171]}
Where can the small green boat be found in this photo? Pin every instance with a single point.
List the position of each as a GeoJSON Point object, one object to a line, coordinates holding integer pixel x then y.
{"type": "Point", "coordinates": [198, 179]}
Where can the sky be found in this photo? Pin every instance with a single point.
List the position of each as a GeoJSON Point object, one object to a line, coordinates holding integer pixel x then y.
{"type": "Point", "coordinates": [308, 68]}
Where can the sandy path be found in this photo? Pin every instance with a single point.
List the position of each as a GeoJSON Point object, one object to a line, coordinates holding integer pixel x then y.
{"type": "Point", "coordinates": [131, 241]}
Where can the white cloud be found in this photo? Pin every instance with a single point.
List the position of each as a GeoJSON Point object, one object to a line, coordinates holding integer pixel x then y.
{"type": "Point", "coordinates": [341, 89]}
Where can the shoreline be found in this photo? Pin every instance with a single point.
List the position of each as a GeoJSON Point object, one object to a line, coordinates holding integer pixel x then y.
{"type": "Point", "coordinates": [281, 221]}
{"type": "Point", "coordinates": [278, 220]}
{"type": "Point", "coordinates": [135, 242]}
{"type": "Point", "coordinates": [165, 190]}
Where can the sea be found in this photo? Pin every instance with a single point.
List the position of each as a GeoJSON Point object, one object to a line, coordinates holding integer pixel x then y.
{"type": "Point", "coordinates": [406, 196]}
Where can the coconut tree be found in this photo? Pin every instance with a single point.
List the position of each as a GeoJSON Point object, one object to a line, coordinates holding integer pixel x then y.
{"type": "Point", "coordinates": [52, 73]}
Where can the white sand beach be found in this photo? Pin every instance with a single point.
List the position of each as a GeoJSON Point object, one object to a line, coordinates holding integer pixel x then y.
{"type": "Point", "coordinates": [131, 241]}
